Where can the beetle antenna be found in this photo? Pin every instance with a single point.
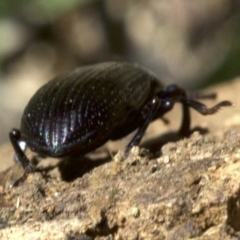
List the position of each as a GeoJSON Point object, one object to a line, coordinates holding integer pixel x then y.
{"type": "Point", "coordinates": [201, 95]}
{"type": "Point", "coordinates": [202, 108]}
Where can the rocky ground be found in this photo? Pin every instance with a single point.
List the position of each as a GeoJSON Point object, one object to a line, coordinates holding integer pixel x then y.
{"type": "Point", "coordinates": [166, 189]}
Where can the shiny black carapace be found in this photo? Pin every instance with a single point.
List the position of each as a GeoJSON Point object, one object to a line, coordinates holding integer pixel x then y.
{"type": "Point", "coordinates": [80, 111]}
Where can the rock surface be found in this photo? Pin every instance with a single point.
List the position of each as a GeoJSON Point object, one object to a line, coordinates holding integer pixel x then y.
{"type": "Point", "coordinates": [188, 190]}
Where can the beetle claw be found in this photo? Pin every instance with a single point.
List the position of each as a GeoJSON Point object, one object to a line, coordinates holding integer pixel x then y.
{"type": "Point", "coordinates": [29, 168]}
{"type": "Point", "coordinates": [121, 155]}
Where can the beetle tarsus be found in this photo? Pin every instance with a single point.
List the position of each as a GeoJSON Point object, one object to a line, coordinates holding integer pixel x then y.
{"type": "Point", "coordinates": [15, 137]}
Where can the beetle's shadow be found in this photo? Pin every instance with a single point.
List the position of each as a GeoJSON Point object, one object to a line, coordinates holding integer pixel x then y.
{"type": "Point", "coordinates": [74, 167]}
{"type": "Point", "coordinates": [155, 144]}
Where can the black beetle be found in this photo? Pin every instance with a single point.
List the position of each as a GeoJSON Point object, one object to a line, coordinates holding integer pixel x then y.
{"type": "Point", "coordinates": [80, 111]}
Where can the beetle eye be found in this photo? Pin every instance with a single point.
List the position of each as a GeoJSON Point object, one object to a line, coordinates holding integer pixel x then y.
{"type": "Point", "coordinates": [168, 104]}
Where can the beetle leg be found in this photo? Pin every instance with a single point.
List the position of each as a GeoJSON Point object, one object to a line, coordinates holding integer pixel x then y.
{"type": "Point", "coordinates": [173, 94]}
{"type": "Point", "coordinates": [15, 136]}
{"type": "Point", "coordinates": [179, 95]}
{"type": "Point", "coordinates": [148, 113]}
{"type": "Point", "coordinates": [186, 121]}
{"type": "Point", "coordinates": [203, 109]}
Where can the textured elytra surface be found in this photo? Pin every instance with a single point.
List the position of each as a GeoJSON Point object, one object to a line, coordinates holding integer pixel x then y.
{"type": "Point", "coordinates": [83, 109]}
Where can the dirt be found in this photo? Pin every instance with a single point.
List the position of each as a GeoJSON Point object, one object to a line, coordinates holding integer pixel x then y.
{"type": "Point", "coordinates": [166, 189]}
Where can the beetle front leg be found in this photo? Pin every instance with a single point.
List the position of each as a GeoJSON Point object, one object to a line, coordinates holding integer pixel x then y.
{"type": "Point", "coordinates": [173, 94]}
{"type": "Point", "coordinates": [148, 113]}
{"type": "Point", "coordinates": [15, 137]}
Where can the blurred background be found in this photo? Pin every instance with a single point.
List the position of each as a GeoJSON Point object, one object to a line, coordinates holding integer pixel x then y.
{"type": "Point", "coordinates": [191, 43]}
